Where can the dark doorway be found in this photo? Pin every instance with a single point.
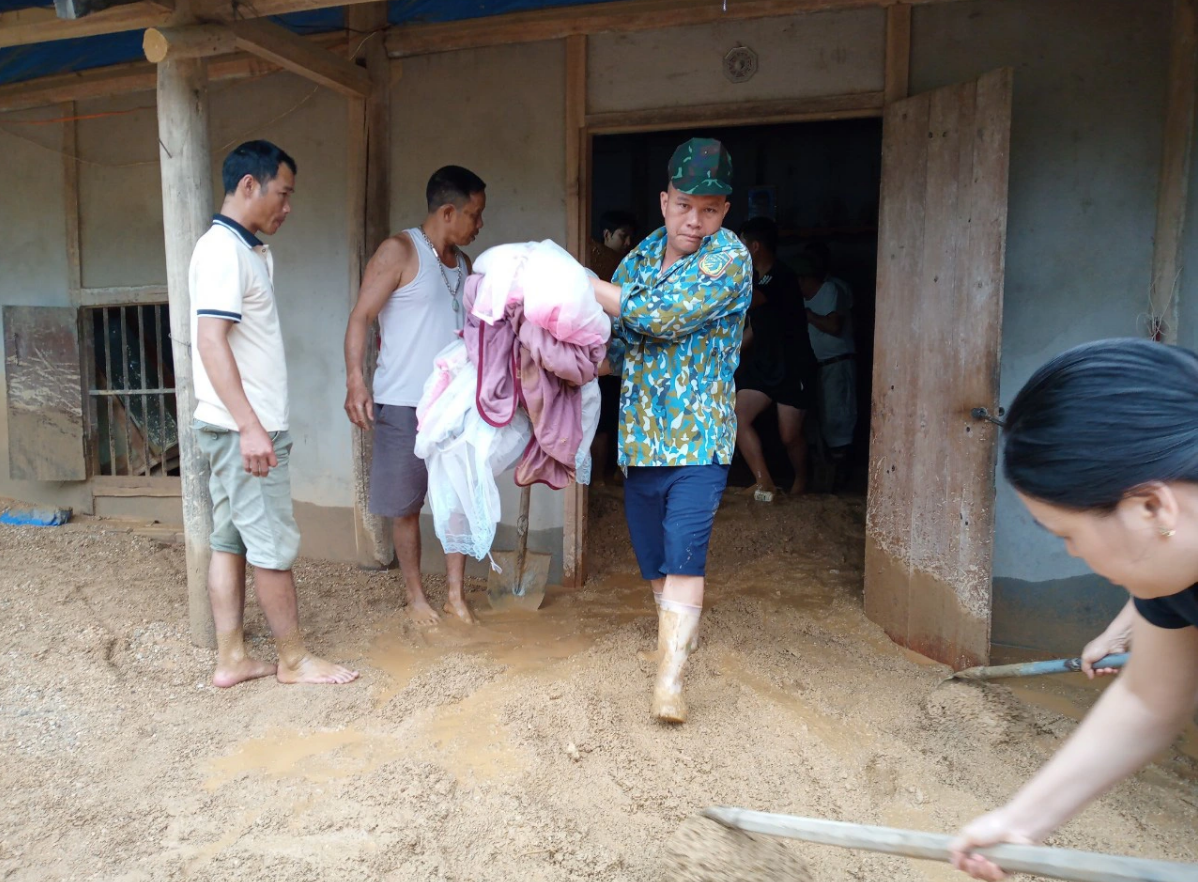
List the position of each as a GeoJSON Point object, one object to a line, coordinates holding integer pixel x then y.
{"type": "Point", "coordinates": [820, 182]}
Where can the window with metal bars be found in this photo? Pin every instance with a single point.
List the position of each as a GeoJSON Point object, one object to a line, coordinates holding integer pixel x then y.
{"type": "Point", "coordinates": [131, 392]}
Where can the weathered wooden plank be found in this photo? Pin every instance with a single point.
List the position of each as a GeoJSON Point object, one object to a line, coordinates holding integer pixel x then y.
{"type": "Point", "coordinates": [40, 25]}
{"type": "Point", "coordinates": [1177, 152]}
{"type": "Point", "coordinates": [892, 430]}
{"type": "Point", "coordinates": [940, 272]}
{"type": "Point", "coordinates": [136, 486]}
{"type": "Point", "coordinates": [369, 169]}
{"type": "Point", "coordinates": [622, 16]}
{"type": "Point", "coordinates": [856, 105]}
{"type": "Point", "coordinates": [574, 530]}
{"type": "Point", "coordinates": [46, 432]}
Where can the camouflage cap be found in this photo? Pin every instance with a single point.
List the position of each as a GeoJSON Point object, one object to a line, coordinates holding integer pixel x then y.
{"type": "Point", "coordinates": [701, 167]}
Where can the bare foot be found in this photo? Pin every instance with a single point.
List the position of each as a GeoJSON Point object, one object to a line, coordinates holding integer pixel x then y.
{"type": "Point", "coordinates": [316, 670]}
{"type": "Point", "coordinates": [461, 609]}
{"type": "Point", "coordinates": [421, 613]}
{"type": "Point", "coordinates": [232, 673]}
{"type": "Point", "coordinates": [798, 489]}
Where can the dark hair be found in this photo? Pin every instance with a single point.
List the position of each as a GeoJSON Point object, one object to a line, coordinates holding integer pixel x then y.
{"type": "Point", "coordinates": [259, 159]}
{"type": "Point", "coordinates": [1101, 420]}
{"type": "Point", "coordinates": [452, 185]}
{"type": "Point", "coordinates": [761, 230]}
{"type": "Point", "coordinates": [610, 221]}
{"type": "Point", "coordinates": [820, 256]}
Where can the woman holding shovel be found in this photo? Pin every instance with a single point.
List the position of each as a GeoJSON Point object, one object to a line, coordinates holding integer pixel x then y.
{"type": "Point", "coordinates": [1102, 447]}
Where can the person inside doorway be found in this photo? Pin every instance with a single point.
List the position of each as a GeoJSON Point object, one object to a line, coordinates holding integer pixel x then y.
{"type": "Point", "coordinates": [616, 232]}
{"type": "Point", "coordinates": [614, 240]}
{"type": "Point", "coordinates": [778, 368]}
{"type": "Point", "coordinates": [830, 326]}
{"type": "Point", "coordinates": [413, 286]}
{"type": "Point", "coordinates": [678, 304]}
{"type": "Point", "coordinates": [1100, 446]}
{"type": "Point", "coordinates": [242, 419]}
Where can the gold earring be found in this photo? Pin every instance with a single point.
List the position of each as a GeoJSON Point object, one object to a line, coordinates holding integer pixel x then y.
{"type": "Point", "coordinates": [1168, 534]}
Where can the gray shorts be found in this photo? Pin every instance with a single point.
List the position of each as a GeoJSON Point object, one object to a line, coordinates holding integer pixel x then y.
{"type": "Point", "coordinates": [398, 477]}
{"type": "Point", "coordinates": [251, 517]}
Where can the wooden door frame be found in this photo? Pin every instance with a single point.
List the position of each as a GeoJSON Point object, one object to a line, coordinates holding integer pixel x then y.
{"type": "Point", "coordinates": [582, 127]}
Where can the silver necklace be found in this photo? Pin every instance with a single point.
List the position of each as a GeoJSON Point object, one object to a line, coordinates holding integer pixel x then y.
{"type": "Point", "coordinates": [454, 290]}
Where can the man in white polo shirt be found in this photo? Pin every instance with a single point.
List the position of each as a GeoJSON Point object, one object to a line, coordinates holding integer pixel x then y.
{"type": "Point", "coordinates": [241, 419]}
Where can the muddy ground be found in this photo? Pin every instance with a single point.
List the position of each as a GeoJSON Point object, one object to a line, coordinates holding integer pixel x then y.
{"type": "Point", "coordinates": [521, 750]}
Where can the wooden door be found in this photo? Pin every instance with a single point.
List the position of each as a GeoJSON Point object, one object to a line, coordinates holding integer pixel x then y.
{"type": "Point", "coordinates": [941, 244]}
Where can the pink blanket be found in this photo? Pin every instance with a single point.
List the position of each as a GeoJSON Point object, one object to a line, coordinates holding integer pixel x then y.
{"type": "Point", "coordinates": [520, 363]}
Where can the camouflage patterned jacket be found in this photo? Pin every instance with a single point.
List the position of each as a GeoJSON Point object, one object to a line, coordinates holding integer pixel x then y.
{"type": "Point", "coordinates": [676, 345]}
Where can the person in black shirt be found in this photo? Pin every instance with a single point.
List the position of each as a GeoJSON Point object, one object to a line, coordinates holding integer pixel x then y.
{"type": "Point", "coordinates": [777, 365]}
{"type": "Point", "coordinates": [1102, 447]}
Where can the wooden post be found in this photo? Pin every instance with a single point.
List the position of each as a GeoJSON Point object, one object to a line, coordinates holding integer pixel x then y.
{"type": "Point", "coordinates": [186, 163]}
{"type": "Point", "coordinates": [70, 192]}
{"type": "Point", "coordinates": [898, 53]}
{"type": "Point", "coordinates": [369, 174]}
{"type": "Point", "coordinates": [1176, 159]}
{"type": "Point", "coordinates": [574, 529]}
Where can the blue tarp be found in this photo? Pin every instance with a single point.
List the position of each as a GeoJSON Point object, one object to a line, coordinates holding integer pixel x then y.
{"type": "Point", "coordinates": [19, 63]}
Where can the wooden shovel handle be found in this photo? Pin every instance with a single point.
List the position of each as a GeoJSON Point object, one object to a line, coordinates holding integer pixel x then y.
{"type": "Point", "coordinates": [1055, 863]}
{"type": "Point", "coordinates": [522, 531]}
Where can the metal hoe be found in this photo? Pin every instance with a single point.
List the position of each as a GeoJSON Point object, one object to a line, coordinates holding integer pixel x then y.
{"type": "Point", "coordinates": [1053, 863]}
{"type": "Point", "coordinates": [520, 581]}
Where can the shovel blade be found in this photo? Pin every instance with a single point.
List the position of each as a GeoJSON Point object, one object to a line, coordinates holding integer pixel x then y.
{"type": "Point", "coordinates": [512, 590]}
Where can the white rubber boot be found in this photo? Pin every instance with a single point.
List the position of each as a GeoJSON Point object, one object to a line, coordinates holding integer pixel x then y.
{"type": "Point", "coordinates": [654, 655]}
{"type": "Point", "coordinates": [679, 624]}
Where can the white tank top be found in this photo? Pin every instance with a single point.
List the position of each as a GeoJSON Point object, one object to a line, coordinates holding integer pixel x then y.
{"type": "Point", "coordinates": [417, 322]}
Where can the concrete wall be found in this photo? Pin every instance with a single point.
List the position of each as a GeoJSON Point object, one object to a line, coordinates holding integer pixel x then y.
{"type": "Point", "coordinates": [798, 57]}
{"type": "Point", "coordinates": [121, 235]}
{"type": "Point", "coordinates": [498, 112]}
{"type": "Point", "coordinates": [1085, 157]}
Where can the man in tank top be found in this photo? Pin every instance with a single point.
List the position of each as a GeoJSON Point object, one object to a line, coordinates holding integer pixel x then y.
{"type": "Point", "coordinates": [413, 286]}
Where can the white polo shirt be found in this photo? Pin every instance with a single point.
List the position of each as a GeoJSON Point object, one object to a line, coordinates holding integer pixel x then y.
{"type": "Point", "coordinates": [232, 278]}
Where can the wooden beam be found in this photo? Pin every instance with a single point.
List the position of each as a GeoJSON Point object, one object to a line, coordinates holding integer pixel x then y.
{"type": "Point", "coordinates": [1176, 160]}
{"type": "Point", "coordinates": [621, 16]}
{"type": "Point", "coordinates": [128, 295]}
{"type": "Point", "coordinates": [294, 53]}
{"type": "Point", "coordinates": [855, 105]}
{"type": "Point", "coordinates": [70, 194]}
{"type": "Point", "coordinates": [369, 173]}
{"type": "Point", "coordinates": [41, 25]}
{"type": "Point", "coordinates": [165, 486]}
{"type": "Point", "coordinates": [73, 9]}
{"type": "Point", "coordinates": [188, 41]}
{"type": "Point", "coordinates": [185, 159]}
{"type": "Point", "coordinates": [138, 76]}
{"type": "Point", "coordinates": [574, 532]}
{"type": "Point", "coordinates": [898, 52]}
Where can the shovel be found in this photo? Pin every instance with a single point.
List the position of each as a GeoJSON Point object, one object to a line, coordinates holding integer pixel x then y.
{"type": "Point", "coordinates": [520, 580]}
{"type": "Point", "coordinates": [1036, 669]}
{"type": "Point", "coordinates": [1053, 863]}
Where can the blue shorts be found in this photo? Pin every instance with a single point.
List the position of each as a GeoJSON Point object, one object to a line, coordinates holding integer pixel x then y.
{"type": "Point", "coordinates": [670, 510]}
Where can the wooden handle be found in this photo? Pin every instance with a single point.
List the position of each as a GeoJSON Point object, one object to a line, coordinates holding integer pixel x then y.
{"type": "Point", "coordinates": [522, 531]}
{"type": "Point", "coordinates": [1055, 863]}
